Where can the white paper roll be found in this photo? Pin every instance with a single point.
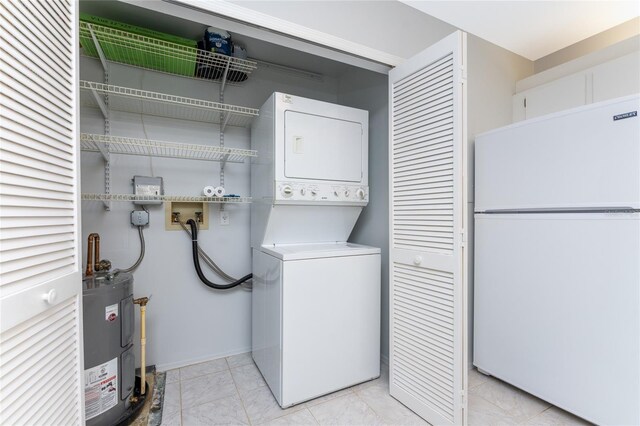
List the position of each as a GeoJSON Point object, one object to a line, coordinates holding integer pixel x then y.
{"type": "Point", "coordinates": [218, 191]}
{"type": "Point", "coordinates": [208, 191]}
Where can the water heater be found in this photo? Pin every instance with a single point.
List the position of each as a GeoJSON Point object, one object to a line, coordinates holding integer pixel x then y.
{"type": "Point", "coordinates": [109, 361]}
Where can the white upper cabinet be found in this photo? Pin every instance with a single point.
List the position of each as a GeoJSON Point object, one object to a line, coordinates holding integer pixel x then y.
{"type": "Point", "coordinates": [612, 79]}
{"type": "Point", "coordinates": [561, 94]}
{"type": "Point", "coordinates": [617, 78]}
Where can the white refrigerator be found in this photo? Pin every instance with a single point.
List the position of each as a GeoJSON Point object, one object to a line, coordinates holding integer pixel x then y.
{"type": "Point", "coordinates": [557, 259]}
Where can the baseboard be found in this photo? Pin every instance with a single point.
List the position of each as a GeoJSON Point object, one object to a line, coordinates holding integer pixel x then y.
{"type": "Point", "coordinates": [180, 364]}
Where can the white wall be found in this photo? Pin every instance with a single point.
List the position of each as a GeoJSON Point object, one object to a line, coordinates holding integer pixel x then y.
{"type": "Point", "coordinates": [367, 90]}
{"type": "Point", "coordinates": [187, 321]}
{"type": "Point", "coordinates": [491, 81]}
{"type": "Point", "coordinates": [592, 44]}
{"type": "Point", "coordinates": [388, 26]}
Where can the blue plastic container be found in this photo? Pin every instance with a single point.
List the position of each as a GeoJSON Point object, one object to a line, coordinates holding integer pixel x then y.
{"type": "Point", "coordinates": [217, 41]}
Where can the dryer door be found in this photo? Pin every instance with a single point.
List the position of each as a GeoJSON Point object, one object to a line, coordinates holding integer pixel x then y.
{"type": "Point", "coordinates": [322, 148]}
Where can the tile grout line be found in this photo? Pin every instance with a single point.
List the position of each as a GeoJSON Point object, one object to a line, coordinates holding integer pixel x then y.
{"type": "Point", "coordinates": [213, 400]}
{"type": "Point", "coordinates": [539, 414]}
{"type": "Point", "coordinates": [369, 406]}
{"type": "Point", "coordinates": [505, 411]}
{"type": "Point", "coordinates": [246, 413]}
{"type": "Point", "coordinates": [484, 379]}
{"type": "Point", "coordinates": [206, 374]}
{"type": "Point", "coordinates": [311, 412]}
{"type": "Point", "coordinates": [180, 391]}
{"type": "Point", "coordinates": [502, 410]}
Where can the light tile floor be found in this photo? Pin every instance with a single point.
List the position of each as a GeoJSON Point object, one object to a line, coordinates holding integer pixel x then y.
{"type": "Point", "coordinates": [231, 391]}
{"type": "Point", "coordinates": [494, 402]}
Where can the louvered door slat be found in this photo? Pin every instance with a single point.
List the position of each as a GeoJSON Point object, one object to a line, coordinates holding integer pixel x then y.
{"type": "Point", "coordinates": [427, 276]}
{"type": "Point", "coordinates": [419, 115]}
{"type": "Point", "coordinates": [36, 241]}
{"type": "Point", "coordinates": [45, 150]}
{"type": "Point", "coordinates": [429, 137]}
{"type": "Point", "coordinates": [37, 356]}
{"type": "Point", "coordinates": [33, 99]}
{"type": "Point", "coordinates": [44, 18]}
{"type": "Point", "coordinates": [441, 136]}
{"type": "Point", "coordinates": [45, 412]}
{"type": "Point", "coordinates": [429, 95]}
{"type": "Point", "coordinates": [27, 181]}
{"type": "Point", "coordinates": [429, 76]}
{"type": "Point", "coordinates": [427, 132]}
{"type": "Point", "coordinates": [28, 75]}
{"type": "Point", "coordinates": [24, 21]}
{"type": "Point", "coordinates": [26, 109]}
{"type": "Point", "coordinates": [409, 167]}
{"type": "Point", "coordinates": [59, 173]}
{"type": "Point", "coordinates": [438, 356]}
{"type": "Point", "coordinates": [40, 268]}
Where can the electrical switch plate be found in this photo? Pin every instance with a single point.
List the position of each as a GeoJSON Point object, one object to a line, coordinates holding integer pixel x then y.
{"type": "Point", "coordinates": [139, 218]}
{"type": "Point", "coordinates": [224, 217]}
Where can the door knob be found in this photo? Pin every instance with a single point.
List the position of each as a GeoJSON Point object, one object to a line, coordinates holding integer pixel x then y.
{"type": "Point", "coordinates": [50, 297]}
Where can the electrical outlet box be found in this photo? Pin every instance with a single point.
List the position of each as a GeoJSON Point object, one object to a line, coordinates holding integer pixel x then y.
{"type": "Point", "coordinates": [185, 211]}
{"type": "Point", "coordinates": [139, 218]}
{"type": "Point", "coordinates": [224, 217]}
{"type": "Point", "coordinates": [150, 186]}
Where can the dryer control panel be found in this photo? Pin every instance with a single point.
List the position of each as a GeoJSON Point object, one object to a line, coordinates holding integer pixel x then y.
{"type": "Point", "coordinates": [296, 192]}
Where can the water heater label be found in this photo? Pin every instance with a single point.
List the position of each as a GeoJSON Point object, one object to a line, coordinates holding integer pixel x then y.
{"type": "Point", "coordinates": [111, 312]}
{"type": "Point", "coordinates": [100, 388]}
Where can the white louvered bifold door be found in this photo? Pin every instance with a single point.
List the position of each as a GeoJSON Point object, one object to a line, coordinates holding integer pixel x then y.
{"type": "Point", "coordinates": [427, 155]}
{"type": "Point", "coordinates": [40, 266]}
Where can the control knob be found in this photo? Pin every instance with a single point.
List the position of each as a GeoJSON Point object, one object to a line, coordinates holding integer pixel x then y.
{"type": "Point", "coordinates": [303, 191]}
{"type": "Point", "coordinates": [360, 193]}
{"type": "Point", "coordinates": [346, 193]}
{"type": "Point", "coordinates": [287, 190]}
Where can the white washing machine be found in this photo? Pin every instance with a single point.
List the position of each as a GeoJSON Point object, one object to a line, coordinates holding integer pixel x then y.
{"type": "Point", "coordinates": [316, 298]}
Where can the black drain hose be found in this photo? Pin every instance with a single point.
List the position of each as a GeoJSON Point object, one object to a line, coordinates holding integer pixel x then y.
{"type": "Point", "coordinates": [196, 263]}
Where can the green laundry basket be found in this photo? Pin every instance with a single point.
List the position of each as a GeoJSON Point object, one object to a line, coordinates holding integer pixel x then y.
{"type": "Point", "coordinates": [141, 47]}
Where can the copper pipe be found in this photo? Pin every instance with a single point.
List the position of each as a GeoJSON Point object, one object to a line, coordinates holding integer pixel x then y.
{"type": "Point", "coordinates": [96, 253]}
{"type": "Point", "coordinates": [91, 262]}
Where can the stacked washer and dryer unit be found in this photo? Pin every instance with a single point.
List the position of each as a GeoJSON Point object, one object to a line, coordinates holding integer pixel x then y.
{"type": "Point", "coordinates": [316, 298]}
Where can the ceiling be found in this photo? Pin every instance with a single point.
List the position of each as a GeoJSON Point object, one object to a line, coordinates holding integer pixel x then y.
{"type": "Point", "coordinates": [532, 29]}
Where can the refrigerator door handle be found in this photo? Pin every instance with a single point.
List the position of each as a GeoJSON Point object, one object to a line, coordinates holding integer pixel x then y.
{"type": "Point", "coordinates": [615, 209]}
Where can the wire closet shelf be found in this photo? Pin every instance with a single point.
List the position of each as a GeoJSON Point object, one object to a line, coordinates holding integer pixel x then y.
{"type": "Point", "coordinates": [164, 105]}
{"type": "Point", "coordinates": [136, 50]}
{"type": "Point", "coordinates": [154, 148]}
{"type": "Point", "coordinates": [174, 198]}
